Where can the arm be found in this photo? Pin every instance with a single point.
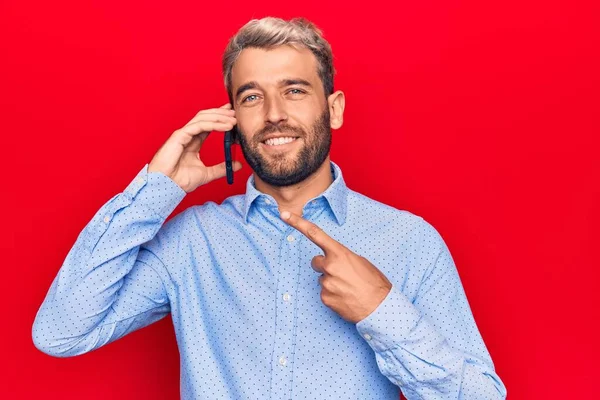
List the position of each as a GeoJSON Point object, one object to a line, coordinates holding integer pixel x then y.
{"type": "Point", "coordinates": [108, 285]}
{"type": "Point", "coordinates": [431, 347]}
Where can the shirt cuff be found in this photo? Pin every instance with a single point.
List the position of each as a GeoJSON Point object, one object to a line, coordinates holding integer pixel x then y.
{"type": "Point", "coordinates": [156, 191]}
{"type": "Point", "coordinates": [390, 323]}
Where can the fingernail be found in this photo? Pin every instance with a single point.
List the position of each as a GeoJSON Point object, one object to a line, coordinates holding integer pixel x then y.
{"type": "Point", "coordinates": [285, 215]}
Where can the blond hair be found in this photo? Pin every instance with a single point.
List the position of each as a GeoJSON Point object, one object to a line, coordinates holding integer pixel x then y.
{"type": "Point", "coordinates": [271, 32]}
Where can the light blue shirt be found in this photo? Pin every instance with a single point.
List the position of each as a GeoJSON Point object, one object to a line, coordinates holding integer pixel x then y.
{"type": "Point", "coordinates": [245, 302]}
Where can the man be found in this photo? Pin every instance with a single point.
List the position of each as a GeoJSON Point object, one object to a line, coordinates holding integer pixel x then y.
{"type": "Point", "coordinates": [299, 289]}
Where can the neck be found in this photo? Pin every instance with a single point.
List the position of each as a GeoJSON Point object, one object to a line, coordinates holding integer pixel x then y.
{"type": "Point", "coordinates": [293, 198]}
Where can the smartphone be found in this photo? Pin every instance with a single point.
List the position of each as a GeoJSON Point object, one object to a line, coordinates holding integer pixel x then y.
{"type": "Point", "coordinates": [230, 140]}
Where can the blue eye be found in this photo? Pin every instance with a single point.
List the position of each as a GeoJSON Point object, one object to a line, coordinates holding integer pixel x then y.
{"type": "Point", "coordinates": [252, 95]}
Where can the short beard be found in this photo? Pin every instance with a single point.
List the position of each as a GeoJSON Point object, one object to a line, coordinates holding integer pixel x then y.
{"type": "Point", "coordinates": [311, 156]}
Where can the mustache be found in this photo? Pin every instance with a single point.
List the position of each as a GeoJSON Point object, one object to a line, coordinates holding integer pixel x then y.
{"type": "Point", "coordinates": [278, 128]}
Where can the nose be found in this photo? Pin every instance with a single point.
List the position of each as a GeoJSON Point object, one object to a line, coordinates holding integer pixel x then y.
{"type": "Point", "coordinates": [275, 110]}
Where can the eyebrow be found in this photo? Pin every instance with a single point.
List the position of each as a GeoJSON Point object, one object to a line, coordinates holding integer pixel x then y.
{"type": "Point", "coordinates": [280, 83]}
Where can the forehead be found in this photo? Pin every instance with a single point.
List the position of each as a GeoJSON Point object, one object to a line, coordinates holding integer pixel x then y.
{"type": "Point", "coordinates": [267, 66]}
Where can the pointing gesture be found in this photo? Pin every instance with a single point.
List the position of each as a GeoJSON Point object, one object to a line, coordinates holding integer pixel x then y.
{"type": "Point", "coordinates": [350, 285]}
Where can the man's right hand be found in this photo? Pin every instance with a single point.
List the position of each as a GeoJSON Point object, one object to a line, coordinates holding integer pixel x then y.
{"type": "Point", "coordinates": [179, 157]}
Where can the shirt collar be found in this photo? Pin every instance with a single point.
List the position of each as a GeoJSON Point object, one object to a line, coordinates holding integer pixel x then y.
{"type": "Point", "coordinates": [336, 195]}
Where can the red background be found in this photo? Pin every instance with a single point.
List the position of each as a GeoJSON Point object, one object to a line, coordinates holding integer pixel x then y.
{"type": "Point", "coordinates": [482, 118]}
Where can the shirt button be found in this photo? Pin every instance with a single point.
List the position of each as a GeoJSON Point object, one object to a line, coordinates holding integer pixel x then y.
{"type": "Point", "coordinates": [290, 238]}
{"type": "Point", "coordinates": [267, 201]}
{"type": "Point", "coordinates": [106, 219]}
{"type": "Point", "coordinates": [367, 336]}
{"type": "Point", "coordinates": [282, 360]}
{"type": "Point", "coordinates": [286, 297]}
{"type": "Point", "coordinates": [314, 202]}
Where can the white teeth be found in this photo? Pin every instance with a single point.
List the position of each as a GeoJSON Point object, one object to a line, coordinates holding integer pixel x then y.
{"type": "Point", "coordinates": [278, 141]}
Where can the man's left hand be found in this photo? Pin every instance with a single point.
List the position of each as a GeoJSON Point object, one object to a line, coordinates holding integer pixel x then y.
{"type": "Point", "coordinates": [350, 285]}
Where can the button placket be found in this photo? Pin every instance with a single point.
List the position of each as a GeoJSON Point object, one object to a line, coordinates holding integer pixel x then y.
{"type": "Point", "coordinates": [288, 269]}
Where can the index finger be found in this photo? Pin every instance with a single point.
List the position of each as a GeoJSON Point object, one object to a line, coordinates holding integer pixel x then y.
{"type": "Point", "coordinates": [313, 232]}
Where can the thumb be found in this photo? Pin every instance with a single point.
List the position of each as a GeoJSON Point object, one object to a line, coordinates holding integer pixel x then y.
{"type": "Point", "coordinates": [220, 170]}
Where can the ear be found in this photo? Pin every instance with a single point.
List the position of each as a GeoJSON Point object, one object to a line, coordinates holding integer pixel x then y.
{"type": "Point", "coordinates": [336, 102]}
{"type": "Point", "coordinates": [236, 135]}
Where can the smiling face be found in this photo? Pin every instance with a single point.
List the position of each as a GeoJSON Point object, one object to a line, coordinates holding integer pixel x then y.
{"type": "Point", "coordinates": [278, 92]}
